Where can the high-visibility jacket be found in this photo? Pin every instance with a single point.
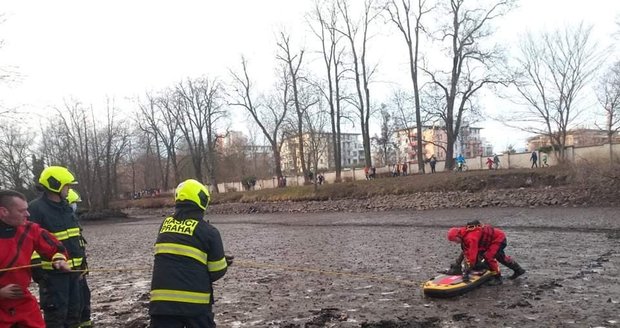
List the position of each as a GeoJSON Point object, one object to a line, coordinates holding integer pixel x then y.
{"type": "Point", "coordinates": [189, 257]}
{"type": "Point", "coordinates": [479, 239]}
{"type": "Point", "coordinates": [59, 219]}
{"type": "Point", "coordinates": [17, 244]}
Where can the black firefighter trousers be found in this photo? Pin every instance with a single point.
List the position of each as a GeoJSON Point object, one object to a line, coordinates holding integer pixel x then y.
{"type": "Point", "coordinates": [60, 297]}
{"type": "Point", "coordinates": [205, 320]}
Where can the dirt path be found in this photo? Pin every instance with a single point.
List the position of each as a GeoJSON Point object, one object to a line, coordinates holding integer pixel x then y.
{"type": "Point", "coordinates": [364, 270]}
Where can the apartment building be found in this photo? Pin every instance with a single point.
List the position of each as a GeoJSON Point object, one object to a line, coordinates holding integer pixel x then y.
{"type": "Point", "coordinates": [574, 137]}
{"type": "Point", "coordinates": [320, 145]}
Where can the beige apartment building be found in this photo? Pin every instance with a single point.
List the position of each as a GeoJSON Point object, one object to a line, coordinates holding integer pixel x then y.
{"type": "Point", "coordinates": [575, 137]}
{"type": "Point", "coordinates": [469, 143]}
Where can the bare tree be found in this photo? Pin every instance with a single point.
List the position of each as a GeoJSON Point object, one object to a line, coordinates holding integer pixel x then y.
{"type": "Point", "coordinates": [156, 117]}
{"type": "Point", "coordinates": [551, 73]}
{"type": "Point", "coordinates": [110, 144]}
{"type": "Point", "coordinates": [15, 153]}
{"type": "Point", "coordinates": [234, 158]}
{"type": "Point", "coordinates": [199, 110]}
{"type": "Point", "coordinates": [316, 140]}
{"type": "Point", "coordinates": [269, 116]}
{"type": "Point", "coordinates": [403, 115]}
{"type": "Point", "coordinates": [300, 103]}
{"type": "Point", "coordinates": [401, 13]}
{"type": "Point", "coordinates": [385, 141]}
{"type": "Point", "coordinates": [327, 17]}
{"type": "Point", "coordinates": [357, 37]}
{"type": "Point", "coordinates": [8, 74]}
{"type": "Point", "coordinates": [91, 147]}
{"type": "Point", "coordinates": [68, 140]}
{"type": "Point", "coordinates": [472, 65]}
{"type": "Point", "coordinates": [609, 97]}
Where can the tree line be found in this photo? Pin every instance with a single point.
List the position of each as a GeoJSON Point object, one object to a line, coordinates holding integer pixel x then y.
{"type": "Point", "coordinates": [184, 130]}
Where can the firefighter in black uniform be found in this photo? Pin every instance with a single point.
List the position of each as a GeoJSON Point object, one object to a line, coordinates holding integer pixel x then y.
{"type": "Point", "coordinates": [73, 198]}
{"type": "Point", "coordinates": [59, 293]}
{"type": "Point", "coordinates": [189, 258]}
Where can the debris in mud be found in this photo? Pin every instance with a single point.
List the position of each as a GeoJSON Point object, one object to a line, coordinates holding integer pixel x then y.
{"type": "Point", "coordinates": [614, 235]}
{"type": "Point", "coordinates": [461, 317]}
{"type": "Point", "coordinates": [593, 267]}
{"type": "Point", "coordinates": [321, 318]}
{"type": "Point", "coordinates": [141, 322]}
{"type": "Point", "coordinates": [412, 323]}
{"type": "Point", "coordinates": [550, 285]}
{"type": "Point", "coordinates": [324, 316]}
{"type": "Point", "coordinates": [521, 303]}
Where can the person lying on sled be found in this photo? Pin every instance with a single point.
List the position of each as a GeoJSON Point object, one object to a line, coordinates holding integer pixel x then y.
{"type": "Point", "coordinates": [476, 238]}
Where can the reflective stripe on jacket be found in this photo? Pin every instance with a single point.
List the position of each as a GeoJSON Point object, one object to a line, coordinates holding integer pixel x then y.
{"type": "Point", "coordinates": [189, 257]}
{"type": "Point", "coordinates": [60, 220]}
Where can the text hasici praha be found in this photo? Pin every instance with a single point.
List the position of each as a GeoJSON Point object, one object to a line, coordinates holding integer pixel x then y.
{"type": "Point", "coordinates": [185, 227]}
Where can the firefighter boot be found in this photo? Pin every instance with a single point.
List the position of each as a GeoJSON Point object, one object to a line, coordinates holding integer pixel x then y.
{"type": "Point", "coordinates": [496, 280]}
{"type": "Point", "coordinates": [518, 270]}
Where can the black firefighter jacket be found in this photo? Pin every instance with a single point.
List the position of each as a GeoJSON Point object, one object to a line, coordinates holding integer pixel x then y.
{"type": "Point", "coordinates": [59, 219]}
{"type": "Point", "coordinates": [189, 257]}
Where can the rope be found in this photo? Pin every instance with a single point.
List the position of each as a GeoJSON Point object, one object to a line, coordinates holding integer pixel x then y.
{"type": "Point", "coordinates": [21, 267]}
{"type": "Point", "coordinates": [250, 264]}
{"type": "Point", "coordinates": [84, 271]}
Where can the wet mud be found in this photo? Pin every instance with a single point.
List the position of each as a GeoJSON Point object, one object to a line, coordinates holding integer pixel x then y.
{"type": "Point", "coordinates": [366, 269]}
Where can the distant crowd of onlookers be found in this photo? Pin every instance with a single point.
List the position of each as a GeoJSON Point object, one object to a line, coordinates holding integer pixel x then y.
{"type": "Point", "coordinates": [150, 192]}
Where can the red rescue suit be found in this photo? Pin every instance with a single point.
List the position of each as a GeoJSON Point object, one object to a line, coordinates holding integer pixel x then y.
{"type": "Point", "coordinates": [17, 245]}
{"type": "Point", "coordinates": [484, 239]}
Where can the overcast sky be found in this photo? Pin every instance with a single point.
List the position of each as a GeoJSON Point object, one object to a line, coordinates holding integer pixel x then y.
{"type": "Point", "coordinates": [92, 49]}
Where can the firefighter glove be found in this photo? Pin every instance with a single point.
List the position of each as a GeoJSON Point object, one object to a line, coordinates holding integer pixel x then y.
{"type": "Point", "coordinates": [229, 259]}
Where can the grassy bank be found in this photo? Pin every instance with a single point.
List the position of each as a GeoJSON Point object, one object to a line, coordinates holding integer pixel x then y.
{"type": "Point", "coordinates": [471, 181]}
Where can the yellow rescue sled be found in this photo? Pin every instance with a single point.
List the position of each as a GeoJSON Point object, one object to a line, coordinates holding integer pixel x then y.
{"type": "Point", "coordinates": [446, 285]}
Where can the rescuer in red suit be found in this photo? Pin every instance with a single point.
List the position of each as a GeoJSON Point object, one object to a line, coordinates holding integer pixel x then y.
{"type": "Point", "coordinates": [480, 238]}
{"type": "Point", "coordinates": [18, 239]}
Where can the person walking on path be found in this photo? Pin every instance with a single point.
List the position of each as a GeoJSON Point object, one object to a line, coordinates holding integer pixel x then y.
{"type": "Point", "coordinates": [60, 293]}
{"type": "Point", "coordinates": [189, 258]}
{"type": "Point", "coordinates": [544, 161]}
{"type": "Point", "coordinates": [460, 161]}
{"type": "Point", "coordinates": [18, 239]}
{"type": "Point", "coordinates": [433, 162]}
{"type": "Point", "coordinates": [534, 159]}
{"type": "Point", "coordinates": [490, 163]}
{"type": "Point", "coordinates": [496, 162]}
